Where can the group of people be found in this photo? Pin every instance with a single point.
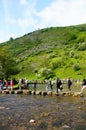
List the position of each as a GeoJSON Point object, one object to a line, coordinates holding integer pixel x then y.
{"type": "Point", "coordinates": [25, 84]}
{"type": "Point", "coordinates": [5, 84]}
{"type": "Point", "coordinates": [49, 84]}
{"type": "Point", "coordinates": [59, 85]}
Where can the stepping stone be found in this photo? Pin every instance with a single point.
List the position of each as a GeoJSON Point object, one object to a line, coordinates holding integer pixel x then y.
{"type": "Point", "coordinates": [78, 94]}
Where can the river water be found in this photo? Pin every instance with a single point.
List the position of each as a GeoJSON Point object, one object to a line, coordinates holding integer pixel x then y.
{"type": "Point", "coordinates": [49, 112]}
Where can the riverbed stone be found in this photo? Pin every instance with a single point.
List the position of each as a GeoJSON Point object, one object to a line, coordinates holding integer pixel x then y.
{"type": "Point", "coordinates": [66, 127]}
{"type": "Point", "coordinates": [32, 121]}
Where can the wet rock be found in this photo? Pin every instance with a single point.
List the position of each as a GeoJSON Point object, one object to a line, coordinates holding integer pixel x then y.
{"type": "Point", "coordinates": [27, 92]}
{"type": "Point", "coordinates": [49, 93]}
{"type": "Point", "coordinates": [38, 93]}
{"type": "Point", "coordinates": [55, 94]}
{"type": "Point", "coordinates": [66, 94]}
{"type": "Point", "coordinates": [33, 93]}
{"type": "Point", "coordinates": [32, 121]}
{"type": "Point", "coordinates": [11, 92]}
{"type": "Point", "coordinates": [78, 94]}
{"type": "Point", "coordinates": [5, 92]}
{"type": "Point", "coordinates": [44, 93]}
{"type": "Point", "coordinates": [66, 126]}
{"type": "Point", "coordinates": [18, 92]}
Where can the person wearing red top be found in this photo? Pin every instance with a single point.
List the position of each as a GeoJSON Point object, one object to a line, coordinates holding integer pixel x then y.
{"type": "Point", "coordinates": [6, 84]}
{"type": "Point", "coordinates": [11, 84]}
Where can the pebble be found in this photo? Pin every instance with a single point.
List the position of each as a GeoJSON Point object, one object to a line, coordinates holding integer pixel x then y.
{"type": "Point", "coordinates": [66, 126]}
{"type": "Point", "coordinates": [32, 121]}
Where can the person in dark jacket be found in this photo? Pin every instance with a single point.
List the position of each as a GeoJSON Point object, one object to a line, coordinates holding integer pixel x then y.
{"type": "Point", "coordinates": [69, 83]}
{"type": "Point", "coordinates": [35, 85]}
{"type": "Point", "coordinates": [58, 85]}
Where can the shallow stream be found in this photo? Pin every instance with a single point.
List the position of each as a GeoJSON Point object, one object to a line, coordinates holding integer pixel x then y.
{"type": "Point", "coordinates": [49, 112]}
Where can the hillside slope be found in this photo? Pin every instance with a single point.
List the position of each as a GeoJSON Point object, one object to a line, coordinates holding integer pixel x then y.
{"type": "Point", "coordinates": [50, 52]}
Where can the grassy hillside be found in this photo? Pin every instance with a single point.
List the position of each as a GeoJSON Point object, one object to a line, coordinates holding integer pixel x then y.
{"type": "Point", "coordinates": [50, 52]}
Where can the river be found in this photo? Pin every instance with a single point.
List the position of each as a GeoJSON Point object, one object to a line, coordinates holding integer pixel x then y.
{"type": "Point", "coordinates": [48, 112]}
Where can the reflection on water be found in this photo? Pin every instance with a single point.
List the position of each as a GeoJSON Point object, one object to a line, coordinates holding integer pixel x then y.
{"type": "Point", "coordinates": [49, 113]}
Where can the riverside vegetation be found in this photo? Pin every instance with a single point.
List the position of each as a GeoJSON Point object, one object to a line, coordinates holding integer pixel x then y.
{"type": "Point", "coordinates": [45, 53]}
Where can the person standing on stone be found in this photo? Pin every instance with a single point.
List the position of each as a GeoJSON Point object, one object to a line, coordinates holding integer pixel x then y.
{"type": "Point", "coordinates": [69, 83]}
{"type": "Point", "coordinates": [6, 84]}
{"type": "Point", "coordinates": [11, 84]}
{"type": "Point", "coordinates": [58, 85]}
{"type": "Point", "coordinates": [35, 85]}
{"type": "Point", "coordinates": [83, 85]}
{"type": "Point", "coordinates": [51, 85]}
{"type": "Point", "coordinates": [26, 84]}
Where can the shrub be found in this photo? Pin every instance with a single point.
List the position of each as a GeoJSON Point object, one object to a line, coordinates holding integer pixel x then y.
{"type": "Point", "coordinates": [71, 53]}
{"type": "Point", "coordinates": [51, 56]}
{"type": "Point", "coordinates": [46, 72]}
{"type": "Point", "coordinates": [54, 65]}
{"type": "Point", "coordinates": [76, 67]}
{"type": "Point", "coordinates": [82, 46]}
{"type": "Point", "coordinates": [75, 56]}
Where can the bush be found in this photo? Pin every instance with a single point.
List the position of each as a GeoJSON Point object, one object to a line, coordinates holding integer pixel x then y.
{"type": "Point", "coordinates": [76, 67]}
{"type": "Point", "coordinates": [51, 56]}
{"type": "Point", "coordinates": [71, 53]}
{"type": "Point", "coordinates": [54, 65]}
{"type": "Point", "coordinates": [45, 72]}
{"type": "Point", "coordinates": [82, 46]}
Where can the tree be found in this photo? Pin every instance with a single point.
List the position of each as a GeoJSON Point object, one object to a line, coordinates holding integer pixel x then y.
{"type": "Point", "coordinates": [7, 66]}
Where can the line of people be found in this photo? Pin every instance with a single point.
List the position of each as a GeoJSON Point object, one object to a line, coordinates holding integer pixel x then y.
{"type": "Point", "coordinates": [58, 84]}
{"type": "Point", "coordinates": [5, 84]}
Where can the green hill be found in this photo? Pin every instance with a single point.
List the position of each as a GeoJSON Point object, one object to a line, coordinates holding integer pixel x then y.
{"type": "Point", "coordinates": [49, 52]}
